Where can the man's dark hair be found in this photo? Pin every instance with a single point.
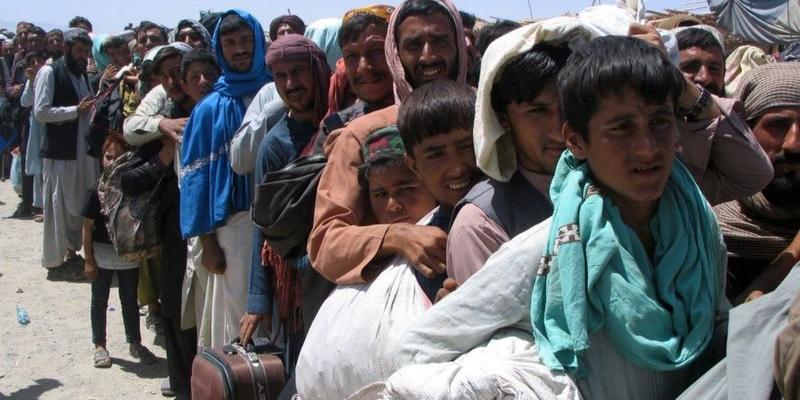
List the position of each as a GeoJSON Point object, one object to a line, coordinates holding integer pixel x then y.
{"type": "Point", "coordinates": [210, 21]}
{"type": "Point", "coordinates": [197, 56]}
{"type": "Point", "coordinates": [147, 25]}
{"type": "Point", "coordinates": [350, 31]}
{"type": "Point", "coordinates": [115, 42]}
{"type": "Point", "coordinates": [696, 37]}
{"type": "Point", "coordinates": [467, 20]}
{"type": "Point", "coordinates": [164, 54]}
{"type": "Point", "coordinates": [607, 66]}
{"type": "Point", "coordinates": [78, 20]}
{"type": "Point", "coordinates": [55, 32]}
{"type": "Point", "coordinates": [38, 31]}
{"type": "Point", "coordinates": [230, 23]}
{"type": "Point", "coordinates": [490, 33]}
{"type": "Point", "coordinates": [435, 108]}
{"type": "Point", "coordinates": [524, 76]}
{"type": "Point", "coordinates": [421, 7]}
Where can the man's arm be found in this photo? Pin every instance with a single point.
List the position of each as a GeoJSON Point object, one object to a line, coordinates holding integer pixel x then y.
{"type": "Point", "coordinates": [43, 109]}
{"type": "Point", "coordinates": [723, 154]}
{"type": "Point", "coordinates": [28, 97]}
{"type": "Point", "coordinates": [143, 125]}
{"type": "Point", "coordinates": [472, 239]}
{"type": "Point", "coordinates": [260, 118]}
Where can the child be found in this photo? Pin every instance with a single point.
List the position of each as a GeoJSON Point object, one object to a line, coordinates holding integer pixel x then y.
{"type": "Point", "coordinates": [396, 195]}
{"type": "Point", "coordinates": [435, 123]}
{"type": "Point", "coordinates": [101, 264]}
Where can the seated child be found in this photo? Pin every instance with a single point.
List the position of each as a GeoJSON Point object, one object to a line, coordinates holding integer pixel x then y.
{"type": "Point", "coordinates": [102, 263]}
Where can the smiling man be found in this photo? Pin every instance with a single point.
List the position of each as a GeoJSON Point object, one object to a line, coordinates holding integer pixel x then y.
{"type": "Point", "coordinates": [214, 199]}
{"type": "Point", "coordinates": [422, 44]}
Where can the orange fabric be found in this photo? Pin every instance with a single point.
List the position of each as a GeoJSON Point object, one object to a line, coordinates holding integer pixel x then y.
{"type": "Point", "coordinates": [345, 238]}
{"type": "Point", "coordinates": [339, 94]}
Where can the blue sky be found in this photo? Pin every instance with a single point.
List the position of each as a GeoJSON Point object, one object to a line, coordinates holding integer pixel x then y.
{"type": "Point", "coordinates": [113, 15]}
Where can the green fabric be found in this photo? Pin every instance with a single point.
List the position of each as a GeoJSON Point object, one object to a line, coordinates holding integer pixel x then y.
{"type": "Point", "coordinates": [659, 317]}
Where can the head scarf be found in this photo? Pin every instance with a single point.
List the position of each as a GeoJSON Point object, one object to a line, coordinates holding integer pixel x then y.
{"type": "Point", "coordinates": [210, 190]}
{"type": "Point", "coordinates": [495, 151]}
{"type": "Point", "coordinates": [198, 27]}
{"type": "Point", "coordinates": [741, 60]}
{"type": "Point", "coordinates": [325, 33]}
{"type": "Point", "coordinates": [708, 28]}
{"type": "Point", "coordinates": [72, 35]}
{"type": "Point", "coordinates": [381, 11]}
{"type": "Point", "coordinates": [294, 48]}
{"type": "Point", "coordinates": [402, 88]}
{"type": "Point", "coordinates": [53, 32]}
{"type": "Point", "coordinates": [339, 92]}
{"type": "Point", "coordinates": [297, 24]}
{"type": "Point", "coordinates": [238, 84]}
{"type": "Point", "coordinates": [769, 86]}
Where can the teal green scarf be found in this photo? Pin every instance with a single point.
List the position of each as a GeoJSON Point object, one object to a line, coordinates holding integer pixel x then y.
{"type": "Point", "coordinates": [596, 275]}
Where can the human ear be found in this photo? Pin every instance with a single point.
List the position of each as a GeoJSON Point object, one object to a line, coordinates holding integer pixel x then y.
{"type": "Point", "coordinates": [412, 165]}
{"type": "Point", "coordinates": [503, 119]}
{"type": "Point", "coordinates": [574, 141]}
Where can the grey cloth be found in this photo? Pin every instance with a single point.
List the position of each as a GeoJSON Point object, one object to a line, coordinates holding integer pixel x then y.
{"type": "Point", "coordinates": [198, 27]}
{"type": "Point", "coordinates": [747, 372]}
{"type": "Point", "coordinates": [264, 112]}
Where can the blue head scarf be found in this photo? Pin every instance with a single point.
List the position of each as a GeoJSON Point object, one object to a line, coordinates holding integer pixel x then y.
{"type": "Point", "coordinates": [210, 190]}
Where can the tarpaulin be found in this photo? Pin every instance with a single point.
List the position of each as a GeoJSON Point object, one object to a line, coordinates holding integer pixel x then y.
{"type": "Point", "coordinates": [761, 21]}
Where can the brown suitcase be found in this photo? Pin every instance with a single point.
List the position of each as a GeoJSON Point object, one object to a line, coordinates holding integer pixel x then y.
{"type": "Point", "coordinates": [232, 372]}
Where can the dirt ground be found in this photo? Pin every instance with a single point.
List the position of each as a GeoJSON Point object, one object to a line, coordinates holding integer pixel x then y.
{"type": "Point", "coordinates": [51, 358]}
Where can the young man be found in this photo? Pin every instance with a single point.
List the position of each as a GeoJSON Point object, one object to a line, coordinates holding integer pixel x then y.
{"type": "Point", "coordinates": [214, 199]}
{"type": "Point", "coordinates": [81, 22]}
{"type": "Point", "coordinates": [192, 33]}
{"type": "Point", "coordinates": [605, 289]}
{"type": "Point", "coordinates": [63, 103]}
{"type": "Point", "coordinates": [422, 45]}
{"type": "Point", "coordinates": [150, 35]}
{"type": "Point", "coordinates": [33, 161]}
{"type": "Point", "coordinates": [284, 25]}
{"type": "Point", "coordinates": [54, 43]}
{"type": "Point", "coordinates": [302, 77]}
{"type": "Point", "coordinates": [702, 57]}
{"type": "Point", "coordinates": [436, 125]}
{"type": "Point", "coordinates": [762, 231]}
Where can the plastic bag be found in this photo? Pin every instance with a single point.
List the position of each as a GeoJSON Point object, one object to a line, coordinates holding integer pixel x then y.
{"type": "Point", "coordinates": [16, 173]}
{"type": "Point", "coordinates": [349, 344]}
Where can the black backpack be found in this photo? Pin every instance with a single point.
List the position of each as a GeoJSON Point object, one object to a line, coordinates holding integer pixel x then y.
{"type": "Point", "coordinates": [283, 207]}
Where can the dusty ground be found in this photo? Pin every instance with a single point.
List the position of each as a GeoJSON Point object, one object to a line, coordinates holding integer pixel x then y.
{"type": "Point", "coordinates": [52, 357]}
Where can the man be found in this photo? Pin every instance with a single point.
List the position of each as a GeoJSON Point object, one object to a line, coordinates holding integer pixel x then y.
{"type": "Point", "coordinates": [762, 232]}
{"type": "Point", "coordinates": [492, 32]}
{"type": "Point", "coordinates": [54, 43]}
{"type": "Point", "coordinates": [81, 22]}
{"type": "Point", "coordinates": [362, 38]}
{"type": "Point", "coordinates": [520, 99]}
{"type": "Point", "coordinates": [302, 77]}
{"type": "Point", "coordinates": [284, 25]}
{"type": "Point", "coordinates": [63, 103]}
{"type": "Point", "coordinates": [150, 35]}
{"type": "Point", "coordinates": [215, 210]}
{"type": "Point", "coordinates": [702, 53]}
{"type": "Point", "coordinates": [33, 162]}
{"type": "Point", "coordinates": [424, 42]}
{"type": "Point", "coordinates": [192, 33]}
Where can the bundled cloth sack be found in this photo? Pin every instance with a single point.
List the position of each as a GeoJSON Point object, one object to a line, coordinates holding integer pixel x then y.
{"type": "Point", "coordinates": [741, 60]}
{"type": "Point", "coordinates": [349, 344]}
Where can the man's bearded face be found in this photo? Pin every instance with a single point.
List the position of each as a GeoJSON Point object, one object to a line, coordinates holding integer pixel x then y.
{"type": "Point", "coordinates": [778, 133]}
{"type": "Point", "coordinates": [77, 57]}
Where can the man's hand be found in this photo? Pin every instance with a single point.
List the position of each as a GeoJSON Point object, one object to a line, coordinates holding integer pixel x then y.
{"type": "Point", "coordinates": [213, 257]}
{"type": "Point", "coordinates": [648, 33]}
{"type": "Point", "coordinates": [448, 286]}
{"type": "Point", "coordinates": [249, 324]}
{"type": "Point", "coordinates": [30, 74]}
{"type": "Point", "coordinates": [167, 153]}
{"type": "Point", "coordinates": [85, 105]}
{"type": "Point", "coordinates": [424, 246]}
{"type": "Point", "coordinates": [173, 128]}
{"type": "Point", "coordinates": [110, 72]}
{"type": "Point", "coordinates": [90, 269]}
{"type": "Point", "coordinates": [15, 91]}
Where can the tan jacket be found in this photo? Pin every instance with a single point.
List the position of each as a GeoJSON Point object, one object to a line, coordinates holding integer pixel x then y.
{"type": "Point", "coordinates": [345, 237]}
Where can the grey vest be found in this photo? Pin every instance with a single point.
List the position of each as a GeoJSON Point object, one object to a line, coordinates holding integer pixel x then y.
{"type": "Point", "coordinates": [515, 206]}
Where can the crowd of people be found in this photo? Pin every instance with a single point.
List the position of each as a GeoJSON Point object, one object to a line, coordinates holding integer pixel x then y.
{"type": "Point", "coordinates": [581, 207]}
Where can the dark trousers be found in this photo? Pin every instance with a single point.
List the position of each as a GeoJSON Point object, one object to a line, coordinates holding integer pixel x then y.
{"type": "Point", "coordinates": [181, 349]}
{"type": "Point", "coordinates": [27, 187]}
{"type": "Point", "coordinates": [128, 281]}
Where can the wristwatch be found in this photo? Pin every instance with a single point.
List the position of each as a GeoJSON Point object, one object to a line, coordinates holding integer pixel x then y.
{"type": "Point", "coordinates": [691, 113]}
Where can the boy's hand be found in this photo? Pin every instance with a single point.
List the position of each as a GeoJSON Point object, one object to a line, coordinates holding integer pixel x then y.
{"type": "Point", "coordinates": [424, 246]}
{"type": "Point", "coordinates": [90, 269]}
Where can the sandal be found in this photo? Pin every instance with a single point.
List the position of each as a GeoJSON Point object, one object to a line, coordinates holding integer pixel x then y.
{"type": "Point", "coordinates": [102, 359]}
{"type": "Point", "coordinates": [144, 355]}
